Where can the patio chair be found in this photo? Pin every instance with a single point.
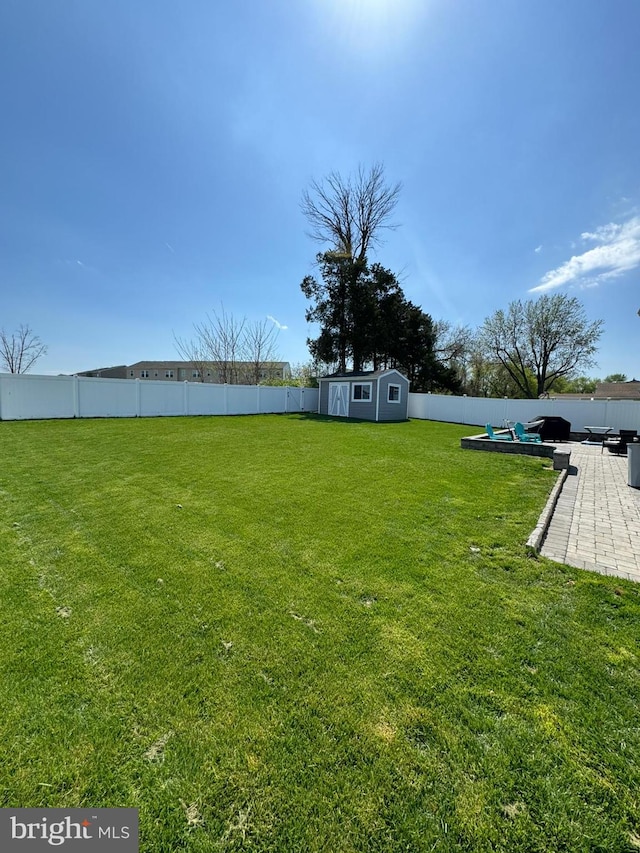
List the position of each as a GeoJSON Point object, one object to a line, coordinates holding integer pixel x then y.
{"type": "Point", "coordinates": [497, 436]}
{"type": "Point", "coordinates": [521, 435]}
{"type": "Point", "coordinates": [619, 443]}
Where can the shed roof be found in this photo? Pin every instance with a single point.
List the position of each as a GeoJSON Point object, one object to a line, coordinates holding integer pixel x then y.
{"type": "Point", "coordinates": [362, 374]}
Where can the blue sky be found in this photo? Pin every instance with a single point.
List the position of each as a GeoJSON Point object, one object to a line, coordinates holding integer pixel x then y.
{"type": "Point", "coordinates": [154, 154]}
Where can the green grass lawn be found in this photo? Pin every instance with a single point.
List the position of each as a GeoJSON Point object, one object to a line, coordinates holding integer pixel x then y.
{"type": "Point", "coordinates": [289, 633]}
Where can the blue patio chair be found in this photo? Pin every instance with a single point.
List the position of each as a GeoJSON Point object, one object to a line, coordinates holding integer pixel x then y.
{"type": "Point", "coordinates": [521, 435]}
{"type": "Point", "coordinates": [497, 437]}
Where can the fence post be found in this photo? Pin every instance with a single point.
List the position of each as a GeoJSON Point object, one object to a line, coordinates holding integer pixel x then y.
{"type": "Point", "coordinates": [258, 399]}
{"type": "Point", "coordinates": [226, 399]}
{"type": "Point", "coordinates": [185, 398]}
{"type": "Point", "coordinates": [76, 397]}
{"type": "Point", "coordinates": [138, 401]}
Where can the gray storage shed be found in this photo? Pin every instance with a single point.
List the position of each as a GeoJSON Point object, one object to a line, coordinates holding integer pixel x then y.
{"type": "Point", "coordinates": [374, 395]}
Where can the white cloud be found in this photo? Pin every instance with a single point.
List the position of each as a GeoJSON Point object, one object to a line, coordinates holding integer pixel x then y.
{"type": "Point", "coordinates": [617, 251]}
{"type": "Point", "coordinates": [538, 249]}
{"type": "Point", "coordinates": [275, 322]}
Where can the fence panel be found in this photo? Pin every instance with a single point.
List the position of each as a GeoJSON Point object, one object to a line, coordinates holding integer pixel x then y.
{"type": "Point", "coordinates": [204, 399]}
{"type": "Point", "coordinates": [273, 399]}
{"type": "Point", "coordinates": [27, 397]}
{"type": "Point", "coordinates": [158, 398]}
{"type": "Point", "coordinates": [117, 398]}
{"type": "Point", "coordinates": [242, 399]}
{"type": "Point", "coordinates": [478, 411]}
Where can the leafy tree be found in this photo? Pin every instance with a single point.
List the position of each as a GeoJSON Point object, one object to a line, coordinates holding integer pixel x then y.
{"type": "Point", "coordinates": [539, 341]}
{"type": "Point", "coordinates": [365, 320]}
{"type": "Point", "coordinates": [349, 215]}
{"type": "Point", "coordinates": [334, 298]}
{"type": "Point", "coordinates": [615, 377]}
{"type": "Point", "coordinates": [302, 375]}
{"type": "Point", "coordinates": [484, 377]}
{"type": "Point", "coordinates": [453, 347]}
{"type": "Point", "coordinates": [574, 385]}
{"type": "Point", "coordinates": [20, 350]}
{"type": "Point", "coordinates": [415, 353]}
{"type": "Point", "coordinates": [363, 315]}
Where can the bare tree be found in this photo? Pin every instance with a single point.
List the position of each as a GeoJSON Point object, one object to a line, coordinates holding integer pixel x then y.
{"type": "Point", "coordinates": [192, 351]}
{"type": "Point", "coordinates": [234, 349]}
{"type": "Point", "coordinates": [259, 348]}
{"type": "Point", "coordinates": [220, 338]}
{"type": "Point", "coordinates": [20, 350]}
{"type": "Point", "coordinates": [350, 213]}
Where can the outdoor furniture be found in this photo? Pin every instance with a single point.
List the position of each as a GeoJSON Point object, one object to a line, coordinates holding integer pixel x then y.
{"type": "Point", "coordinates": [597, 435]}
{"type": "Point", "coordinates": [529, 426]}
{"type": "Point", "coordinates": [521, 435]}
{"type": "Point", "coordinates": [618, 444]}
{"type": "Point", "coordinates": [554, 428]}
{"type": "Point", "coordinates": [497, 436]}
{"type": "Point", "coordinates": [633, 465]}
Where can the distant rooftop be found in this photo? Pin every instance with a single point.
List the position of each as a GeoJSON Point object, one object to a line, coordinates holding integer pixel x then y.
{"type": "Point", "coordinates": [607, 391]}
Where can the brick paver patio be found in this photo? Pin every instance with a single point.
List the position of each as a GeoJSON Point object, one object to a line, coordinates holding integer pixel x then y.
{"type": "Point", "coordinates": [596, 522]}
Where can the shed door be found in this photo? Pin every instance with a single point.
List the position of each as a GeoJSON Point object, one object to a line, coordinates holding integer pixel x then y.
{"type": "Point", "coordinates": [339, 399]}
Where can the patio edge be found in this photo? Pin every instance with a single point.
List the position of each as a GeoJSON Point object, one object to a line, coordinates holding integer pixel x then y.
{"type": "Point", "coordinates": [534, 542]}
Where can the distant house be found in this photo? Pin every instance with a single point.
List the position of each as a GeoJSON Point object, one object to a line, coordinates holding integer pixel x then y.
{"type": "Point", "coordinates": [607, 391]}
{"type": "Point", "coordinates": [236, 373]}
{"type": "Point", "coordinates": [119, 372]}
{"type": "Point", "coordinates": [619, 390]}
{"type": "Point", "coordinates": [374, 395]}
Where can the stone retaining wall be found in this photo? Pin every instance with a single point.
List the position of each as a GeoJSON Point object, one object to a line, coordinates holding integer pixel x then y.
{"type": "Point", "coordinates": [525, 448]}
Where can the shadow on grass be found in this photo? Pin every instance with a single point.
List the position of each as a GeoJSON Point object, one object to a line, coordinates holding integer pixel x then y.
{"type": "Point", "coordinates": [333, 419]}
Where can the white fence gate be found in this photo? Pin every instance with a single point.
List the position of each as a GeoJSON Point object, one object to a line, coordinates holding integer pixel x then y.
{"type": "Point", "coordinates": [27, 397]}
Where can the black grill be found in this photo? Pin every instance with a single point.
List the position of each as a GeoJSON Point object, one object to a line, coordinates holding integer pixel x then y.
{"type": "Point", "coordinates": [553, 428]}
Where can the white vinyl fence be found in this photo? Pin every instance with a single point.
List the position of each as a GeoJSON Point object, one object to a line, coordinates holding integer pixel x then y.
{"type": "Point", "coordinates": [478, 411]}
{"type": "Point", "coordinates": [27, 397]}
